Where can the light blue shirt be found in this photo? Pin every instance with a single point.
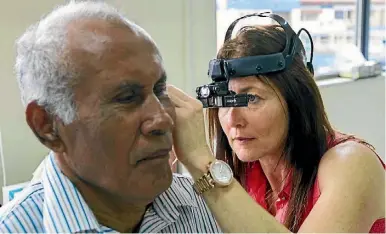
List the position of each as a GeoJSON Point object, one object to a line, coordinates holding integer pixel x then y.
{"type": "Point", "coordinates": [52, 204]}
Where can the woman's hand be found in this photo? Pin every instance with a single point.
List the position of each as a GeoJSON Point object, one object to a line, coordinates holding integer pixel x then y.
{"type": "Point", "coordinates": [190, 145]}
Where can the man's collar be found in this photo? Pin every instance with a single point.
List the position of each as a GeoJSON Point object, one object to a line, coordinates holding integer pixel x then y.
{"type": "Point", "coordinates": [64, 207]}
{"type": "Point", "coordinates": [66, 211]}
{"type": "Point", "coordinates": [167, 205]}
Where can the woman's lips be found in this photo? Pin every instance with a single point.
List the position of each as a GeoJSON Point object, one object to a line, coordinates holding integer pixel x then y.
{"type": "Point", "coordinates": [244, 140]}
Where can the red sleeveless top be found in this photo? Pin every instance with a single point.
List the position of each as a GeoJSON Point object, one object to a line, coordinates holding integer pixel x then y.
{"type": "Point", "coordinates": [256, 186]}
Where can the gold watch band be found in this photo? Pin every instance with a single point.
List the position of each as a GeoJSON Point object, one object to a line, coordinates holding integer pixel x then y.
{"type": "Point", "coordinates": [204, 183]}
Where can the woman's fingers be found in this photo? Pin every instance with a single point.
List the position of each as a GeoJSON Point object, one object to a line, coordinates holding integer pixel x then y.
{"type": "Point", "coordinates": [177, 102]}
{"type": "Point", "coordinates": [181, 99]}
{"type": "Point", "coordinates": [189, 131]}
{"type": "Point", "coordinates": [176, 92]}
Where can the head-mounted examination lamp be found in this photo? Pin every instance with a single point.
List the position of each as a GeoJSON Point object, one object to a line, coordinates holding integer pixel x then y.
{"type": "Point", "coordinates": [217, 93]}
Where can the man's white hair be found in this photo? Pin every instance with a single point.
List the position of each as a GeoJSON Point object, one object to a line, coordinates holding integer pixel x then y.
{"type": "Point", "coordinates": [44, 75]}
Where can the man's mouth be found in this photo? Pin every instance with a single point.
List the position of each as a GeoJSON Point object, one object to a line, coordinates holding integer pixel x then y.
{"type": "Point", "coordinates": [158, 154]}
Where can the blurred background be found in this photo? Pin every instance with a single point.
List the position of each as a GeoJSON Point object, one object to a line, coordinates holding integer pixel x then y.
{"type": "Point", "coordinates": [189, 33]}
{"type": "Point", "coordinates": [333, 24]}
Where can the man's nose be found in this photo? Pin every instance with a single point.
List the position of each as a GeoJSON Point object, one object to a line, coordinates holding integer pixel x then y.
{"type": "Point", "coordinates": [157, 121]}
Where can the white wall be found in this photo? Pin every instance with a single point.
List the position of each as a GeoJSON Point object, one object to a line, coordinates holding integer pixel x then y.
{"type": "Point", "coordinates": [22, 152]}
{"type": "Point", "coordinates": [358, 107]}
{"type": "Point", "coordinates": [186, 34]}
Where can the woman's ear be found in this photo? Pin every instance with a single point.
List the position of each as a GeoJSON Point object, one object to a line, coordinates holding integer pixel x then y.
{"type": "Point", "coordinates": [44, 127]}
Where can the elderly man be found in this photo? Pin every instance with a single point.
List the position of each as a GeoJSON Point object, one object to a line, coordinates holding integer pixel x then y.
{"type": "Point", "coordinates": [94, 88]}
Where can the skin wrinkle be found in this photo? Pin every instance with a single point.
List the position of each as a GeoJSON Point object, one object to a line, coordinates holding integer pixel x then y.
{"type": "Point", "coordinates": [118, 112]}
{"type": "Point", "coordinates": [111, 136]}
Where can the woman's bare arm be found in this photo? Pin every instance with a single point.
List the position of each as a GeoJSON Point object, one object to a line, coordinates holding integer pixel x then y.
{"type": "Point", "coordinates": [351, 179]}
{"type": "Point", "coordinates": [352, 184]}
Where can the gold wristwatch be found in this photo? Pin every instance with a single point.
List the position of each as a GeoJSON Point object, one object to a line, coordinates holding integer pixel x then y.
{"type": "Point", "coordinates": [219, 174]}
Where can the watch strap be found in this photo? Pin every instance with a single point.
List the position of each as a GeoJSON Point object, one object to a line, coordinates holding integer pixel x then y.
{"type": "Point", "coordinates": [204, 183]}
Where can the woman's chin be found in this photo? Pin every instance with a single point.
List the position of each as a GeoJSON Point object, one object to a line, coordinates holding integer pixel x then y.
{"type": "Point", "coordinates": [247, 157]}
{"type": "Point", "coordinates": [247, 154]}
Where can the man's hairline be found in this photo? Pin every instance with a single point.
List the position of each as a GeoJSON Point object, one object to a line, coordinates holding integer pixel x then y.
{"type": "Point", "coordinates": [124, 23]}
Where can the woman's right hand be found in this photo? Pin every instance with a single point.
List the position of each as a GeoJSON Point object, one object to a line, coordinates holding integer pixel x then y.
{"type": "Point", "coordinates": [190, 145]}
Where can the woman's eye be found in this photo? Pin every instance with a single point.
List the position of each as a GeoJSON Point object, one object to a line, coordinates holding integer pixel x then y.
{"type": "Point", "coordinates": [253, 99]}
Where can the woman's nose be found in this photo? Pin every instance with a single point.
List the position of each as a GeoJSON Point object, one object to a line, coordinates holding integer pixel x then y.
{"type": "Point", "coordinates": [235, 117]}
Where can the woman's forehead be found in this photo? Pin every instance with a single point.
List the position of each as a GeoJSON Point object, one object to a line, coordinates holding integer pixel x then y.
{"type": "Point", "coordinates": [243, 84]}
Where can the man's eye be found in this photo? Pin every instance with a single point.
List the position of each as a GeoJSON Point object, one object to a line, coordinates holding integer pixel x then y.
{"type": "Point", "coordinates": [160, 90]}
{"type": "Point", "coordinates": [127, 99]}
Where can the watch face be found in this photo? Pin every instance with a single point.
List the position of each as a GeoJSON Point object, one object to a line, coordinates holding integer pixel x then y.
{"type": "Point", "coordinates": [221, 172]}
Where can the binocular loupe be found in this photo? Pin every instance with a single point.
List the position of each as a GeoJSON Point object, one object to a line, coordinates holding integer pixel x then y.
{"type": "Point", "coordinates": [217, 93]}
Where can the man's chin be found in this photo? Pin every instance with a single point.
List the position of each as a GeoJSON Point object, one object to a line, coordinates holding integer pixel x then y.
{"type": "Point", "coordinates": [151, 186]}
{"type": "Point", "coordinates": [162, 184]}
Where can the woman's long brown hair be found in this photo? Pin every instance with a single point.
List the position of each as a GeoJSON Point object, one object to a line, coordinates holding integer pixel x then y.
{"type": "Point", "coordinates": [308, 125]}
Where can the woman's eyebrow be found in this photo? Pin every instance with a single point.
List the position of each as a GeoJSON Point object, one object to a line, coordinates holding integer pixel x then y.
{"type": "Point", "coordinates": [247, 89]}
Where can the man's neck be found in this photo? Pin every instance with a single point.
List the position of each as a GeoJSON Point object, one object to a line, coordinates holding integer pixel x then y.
{"type": "Point", "coordinates": [109, 210]}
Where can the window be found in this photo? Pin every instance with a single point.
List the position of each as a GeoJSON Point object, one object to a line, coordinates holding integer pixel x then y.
{"type": "Point", "coordinates": [351, 16]}
{"type": "Point", "coordinates": [309, 15]}
{"type": "Point", "coordinates": [339, 14]}
{"type": "Point", "coordinates": [332, 23]}
{"type": "Point", "coordinates": [350, 39]}
{"type": "Point", "coordinates": [377, 38]}
{"type": "Point", "coordinates": [345, 13]}
{"type": "Point", "coordinates": [324, 39]}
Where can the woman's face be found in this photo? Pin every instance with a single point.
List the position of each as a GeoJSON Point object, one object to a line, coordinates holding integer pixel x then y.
{"type": "Point", "coordinates": [260, 129]}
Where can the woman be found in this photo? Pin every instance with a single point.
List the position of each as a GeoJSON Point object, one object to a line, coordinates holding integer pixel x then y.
{"type": "Point", "coordinates": [282, 150]}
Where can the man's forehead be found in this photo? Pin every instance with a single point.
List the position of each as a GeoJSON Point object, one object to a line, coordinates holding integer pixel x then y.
{"type": "Point", "coordinates": [108, 54]}
{"type": "Point", "coordinates": [95, 45]}
{"type": "Point", "coordinates": [97, 36]}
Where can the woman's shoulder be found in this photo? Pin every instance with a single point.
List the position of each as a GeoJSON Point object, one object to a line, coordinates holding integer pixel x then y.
{"type": "Point", "coordinates": [354, 167]}
{"type": "Point", "coordinates": [351, 156]}
{"type": "Point", "coordinates": [351, 170]}
{"type": "Point", "coordinates": [340, 137]}
{"type": "Point", "coordinates": [350, 145]}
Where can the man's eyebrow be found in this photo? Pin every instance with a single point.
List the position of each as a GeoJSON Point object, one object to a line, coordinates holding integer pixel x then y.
{"type": "Point", "coordinates": [127, 87]}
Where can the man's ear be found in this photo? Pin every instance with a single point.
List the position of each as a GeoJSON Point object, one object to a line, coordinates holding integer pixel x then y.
{"type": "Point", "coordinates": [44, 127]}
